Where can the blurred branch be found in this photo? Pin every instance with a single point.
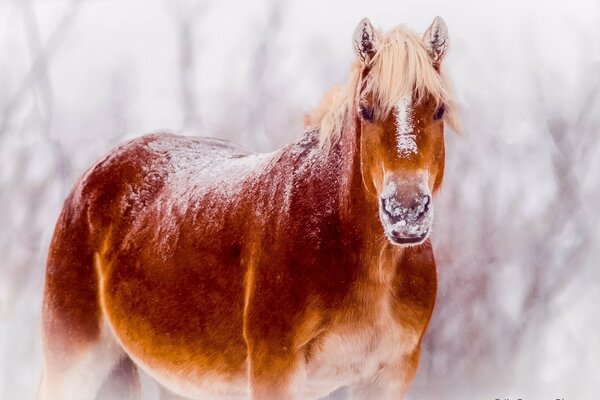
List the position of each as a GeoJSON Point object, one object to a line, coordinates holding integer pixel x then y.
{"type": "Point", "coordinates": [554, 272]}
{"type": "Point", "coordinates": [258, 93]}
{"type": "Point", "coordinates": [41, 80]}
{"type": "Point", "coordinates": [186, 16]}
{"type": "Point", "coordinates": [39, 63]}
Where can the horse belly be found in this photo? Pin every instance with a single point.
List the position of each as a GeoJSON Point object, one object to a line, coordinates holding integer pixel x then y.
{"type": "Point", "coordinates": [202, 385]}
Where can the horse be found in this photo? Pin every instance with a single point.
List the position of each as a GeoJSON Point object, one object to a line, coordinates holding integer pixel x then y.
{"type": "Point", "coordinates": [226, 274]}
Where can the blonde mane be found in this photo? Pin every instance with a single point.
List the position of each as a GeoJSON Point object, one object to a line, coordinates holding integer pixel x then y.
{"type": "Point", "coordinates": [401, 67]}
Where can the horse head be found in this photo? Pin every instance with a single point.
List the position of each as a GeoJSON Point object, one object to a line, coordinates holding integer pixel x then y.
{"type": "Point", "coordinates": [401, 102]}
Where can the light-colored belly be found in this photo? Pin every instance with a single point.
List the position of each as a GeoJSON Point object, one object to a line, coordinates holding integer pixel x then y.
{"type": "Point", "coordinates": [201, 386]}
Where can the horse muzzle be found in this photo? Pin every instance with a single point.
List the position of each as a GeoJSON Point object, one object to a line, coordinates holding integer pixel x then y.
{"type": "Point", "coordinates": [406, 213]}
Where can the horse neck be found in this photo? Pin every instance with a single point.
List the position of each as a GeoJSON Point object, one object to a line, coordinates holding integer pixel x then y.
{"type": "Point", "coordinates": [358, 205]}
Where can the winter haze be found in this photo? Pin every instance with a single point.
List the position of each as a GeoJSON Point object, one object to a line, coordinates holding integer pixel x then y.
{"type": "Point", "coordinates": [517, 230]}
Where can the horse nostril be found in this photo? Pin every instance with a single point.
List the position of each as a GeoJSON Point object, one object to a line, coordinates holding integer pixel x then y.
{"type": "Point", "coordinates": [427, 202]}
{"type": "Point", "coordinates": [385, 209]}
{"type": "Point", "coordinates": [424, 207]}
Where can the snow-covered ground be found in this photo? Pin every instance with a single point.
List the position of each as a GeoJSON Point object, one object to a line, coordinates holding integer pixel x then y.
{"type": "Point", "coordinates": [518, 221]}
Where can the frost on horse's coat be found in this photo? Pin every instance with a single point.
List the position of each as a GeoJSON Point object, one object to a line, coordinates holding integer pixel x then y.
{"type": "Point", "coordinates": [229, 274]}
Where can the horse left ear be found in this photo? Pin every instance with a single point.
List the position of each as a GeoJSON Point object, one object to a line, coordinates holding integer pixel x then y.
{"type": "Point", "coordinates": [365, 42]}
{"type": "Point", "coordinates": [436, 40]}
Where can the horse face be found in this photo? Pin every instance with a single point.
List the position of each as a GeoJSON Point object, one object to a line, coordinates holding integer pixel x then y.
{"type": "Point", "coordinates": [404, 157]}
{"type": "Point", "coordinates": [402, 153]}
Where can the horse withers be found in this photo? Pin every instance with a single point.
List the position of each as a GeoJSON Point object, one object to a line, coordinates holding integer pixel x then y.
{"type": "Point", "coordinates": [228, 274]}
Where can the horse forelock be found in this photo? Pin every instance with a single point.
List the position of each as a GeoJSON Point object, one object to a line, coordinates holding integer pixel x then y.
{"type": "Point", "coordinates": [402, 67]}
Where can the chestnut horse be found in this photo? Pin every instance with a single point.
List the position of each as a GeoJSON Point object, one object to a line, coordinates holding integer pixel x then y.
{"type": "Point", "coordinates": [227, 274]}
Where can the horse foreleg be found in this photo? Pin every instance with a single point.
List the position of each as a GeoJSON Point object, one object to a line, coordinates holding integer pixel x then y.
{"type": "Point", "coordinates": [271, 350]}
{"type": "Point", "coordinates": [270, 373]}
{"type": "Point", "coordinates": [391, 382]}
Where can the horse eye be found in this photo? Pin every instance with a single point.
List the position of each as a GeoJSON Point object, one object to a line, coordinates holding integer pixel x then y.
{"type": "Point", "coordinates": [439, 113]}
{"type": "Point", "coordinates": [366, 113]}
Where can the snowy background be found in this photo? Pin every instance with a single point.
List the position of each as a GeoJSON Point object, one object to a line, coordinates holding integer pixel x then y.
{"type": "Point", "coordinates": [518, 220]}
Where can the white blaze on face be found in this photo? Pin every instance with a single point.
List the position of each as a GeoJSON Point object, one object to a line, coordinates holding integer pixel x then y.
{"type": "Point", "coordinates": [406, 143]}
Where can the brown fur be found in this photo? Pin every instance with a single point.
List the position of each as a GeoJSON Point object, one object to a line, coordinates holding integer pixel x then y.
{"type": "Point", "coordinates": [242, 277]}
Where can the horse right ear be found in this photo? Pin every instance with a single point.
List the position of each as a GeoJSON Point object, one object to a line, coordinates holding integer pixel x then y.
{"type": "Point", "coordinates": [436, 40]}
{"type": "Point", "coordinates": [365, 42]}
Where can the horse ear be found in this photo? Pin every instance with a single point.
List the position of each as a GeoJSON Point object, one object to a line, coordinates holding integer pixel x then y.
{"type": "Point", "coordinates": [365, 42]}
{"type": "Point", "coordinates": [436, 40]}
